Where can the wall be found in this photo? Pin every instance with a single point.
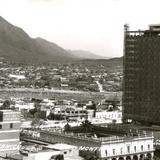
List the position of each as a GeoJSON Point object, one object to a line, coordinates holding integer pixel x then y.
{"type": "Point", "coordinates": [72, 140]}
{"type": "Point", "coordinates": [121, 147]}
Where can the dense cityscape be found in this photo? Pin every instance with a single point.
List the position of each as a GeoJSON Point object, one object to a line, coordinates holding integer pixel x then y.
{"type": "Point", "coordinates": [79, 109]}
{"type": "Point", "coordinates": [93, 76]}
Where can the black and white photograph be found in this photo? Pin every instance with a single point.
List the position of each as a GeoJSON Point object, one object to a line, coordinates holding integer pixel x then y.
{"type": "Point", "coordinates": [79, 80]}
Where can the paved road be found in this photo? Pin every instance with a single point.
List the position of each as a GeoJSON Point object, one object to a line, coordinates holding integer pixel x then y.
{"type": "Point", "coordinates": [100, 87]}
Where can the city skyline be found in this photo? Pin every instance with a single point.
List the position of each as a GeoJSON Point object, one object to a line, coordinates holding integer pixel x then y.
{"type": "Point", "coordinates": [92, 25]}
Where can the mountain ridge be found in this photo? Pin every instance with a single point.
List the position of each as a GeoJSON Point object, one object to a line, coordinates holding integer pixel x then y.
{"type": "Point", "coordinates": [84, 54]}
{"type": "Point", "coordinates": [17, 46]}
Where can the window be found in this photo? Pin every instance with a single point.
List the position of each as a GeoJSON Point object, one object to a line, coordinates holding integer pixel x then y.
{"type": "Point", "coordinates": [148, 146]}
{"type": "Point", "coordinates": [113, 151]}
{"type": "Point", "coordinates": [11, 125]}
{"type": "Point", "coordinates": [0, 126]}
{"type": "Point", "coordinates": [65, 152]}
{"type": "Point", "coordinates": [106, 152]}
{"type": "Point", "coordinates": [121, 150]}
{"type": "Point", "coordinates": [128, 149]}
{"type": "Point", "coordinates": [141, 147]}
{"type": "Point", "coordinates": [135, 148]}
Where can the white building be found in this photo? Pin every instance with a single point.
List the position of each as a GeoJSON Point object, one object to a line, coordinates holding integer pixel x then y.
{"type": "Point", "coordinates": [127, 148]}
{"type": "Point", "coordinates": [71, 111]}
{"type": "Point", "coordinates": [23, 105]}
{"type": "Point", "coordinates": [65, 149]}
{"type": "Point", "coordinates": [9, 132]}
{"type": "Point", "coordinates": [131, 147]}
{"type": "Point", "coordinates": [18, 77]}
{"type": "Point", "coordinates": [114, 116]}
{"type": "Point", "coordinates": [42, 155]}
{"type": "Point", "coordinates": [122, 148]}
{"type": "Point", "coordinates": [59, 124]}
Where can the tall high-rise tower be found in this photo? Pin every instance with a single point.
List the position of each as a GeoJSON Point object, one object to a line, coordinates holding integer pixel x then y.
{"type": "Point", "coordinates": [141, 96]}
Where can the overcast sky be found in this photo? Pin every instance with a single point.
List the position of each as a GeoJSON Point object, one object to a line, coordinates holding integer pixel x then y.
{"type": "Point", "coordinates": [94, 25]}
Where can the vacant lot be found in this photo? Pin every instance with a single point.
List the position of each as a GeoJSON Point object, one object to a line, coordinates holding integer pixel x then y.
{"type": "Point", "coordinates": [58, 94]}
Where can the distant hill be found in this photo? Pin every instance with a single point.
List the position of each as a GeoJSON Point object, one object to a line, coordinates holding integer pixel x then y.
{"type": "Point", "coordinates": [82, 54]}
{"type": "Point", "coordinates": [112, 64]}
{"type": "Point", "coordinates": [17, 46]}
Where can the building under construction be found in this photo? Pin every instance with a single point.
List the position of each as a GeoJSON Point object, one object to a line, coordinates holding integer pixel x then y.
{"type": "Point", "coordinates": [141, 96]}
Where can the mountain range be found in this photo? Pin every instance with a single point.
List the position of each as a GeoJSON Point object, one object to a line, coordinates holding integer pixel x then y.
{"type": "Point", "coordinates": [82, 54]}
{"type": "Point", "coordinates": [17, 46]}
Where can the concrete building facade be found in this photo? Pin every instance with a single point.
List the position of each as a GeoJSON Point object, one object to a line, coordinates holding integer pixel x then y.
{"type": "Point", "coordinates": [114, 116]}
{"type": "Point", "coordinates": [128, 148]}
{"type": "Point", "coordinates": [141, 85]}
{"type": "Point", "coordinates": [107, 148]}
{"type": "Point", "coordinates": [64, 149]}
{"type": "Point", "coordinates": [9, 132]}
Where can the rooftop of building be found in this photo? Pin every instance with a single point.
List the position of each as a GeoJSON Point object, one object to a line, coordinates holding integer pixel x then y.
{"type": "Point", "coordinates": [107, 138]}
{"type": "Point", "coordinates": [8, 111]}
{"type": "Point", "coordinates": [15, 157]}
{"type": "Point", "coordinates": [61, 146]}
{"type": "Point", "coordinates": [153, 29]}
{"type": "Point", "coordinates": [46, 151]}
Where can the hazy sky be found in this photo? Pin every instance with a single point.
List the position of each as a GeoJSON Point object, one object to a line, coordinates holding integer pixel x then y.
{"type": "Point", "coordinates": [94, 25]}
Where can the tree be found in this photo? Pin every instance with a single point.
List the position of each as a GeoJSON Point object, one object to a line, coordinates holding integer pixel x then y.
{"type": "Point", "coordinates": [35, 122]}
{"type": "Point", "coordinates": [53, 116]}
{"type": "Point", "coordinates": [6, 104]}
{"type": "Point", "coordinates": [58, 157]}
{"type": "Point", "coordinates": [67, 127]}
{"type": "Point", "coordinates": [91, 157]}
{"type": "Point", "coordinates": [33, 111]}
{"type": "Point", "coordinates": [86, 126]}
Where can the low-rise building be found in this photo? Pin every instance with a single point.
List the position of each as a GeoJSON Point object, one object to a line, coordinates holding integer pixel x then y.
{"type": "Point", "coordinates": [114, 116]}
{"type": "Point", "coordinates": [110, 147]}
{"type": "Point", "coordinates": [24, 105]}
{"type": "Point", "coordinates": [9, 132]}
{"type": "Point", "coordinates": [71, 112]}
{"type": "Point", "coordinates": [42, 155]}
{"type": "Point", "coordinates": [65, 149]}
{"type": "Point", "coordinates": [121, 148]}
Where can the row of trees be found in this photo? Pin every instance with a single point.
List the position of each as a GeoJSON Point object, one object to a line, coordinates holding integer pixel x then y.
{"type": "Point", "coordinates": [53, 116]}
{"type": "Point", "coordinates": [85, 127]}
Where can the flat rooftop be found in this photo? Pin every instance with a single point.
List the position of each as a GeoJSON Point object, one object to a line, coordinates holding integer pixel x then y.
{"type": "Point", "coordinates": [8, 111]}
{"type": "Point", "coordinates": [61, 146]}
